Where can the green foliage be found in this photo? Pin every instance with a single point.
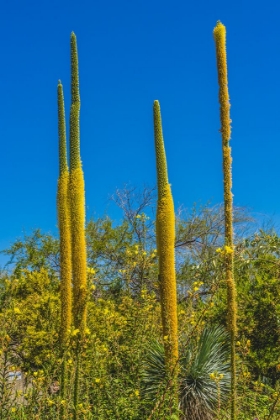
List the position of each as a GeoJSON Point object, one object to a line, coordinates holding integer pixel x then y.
{"type": "Point", "coordinates": [124, 319]}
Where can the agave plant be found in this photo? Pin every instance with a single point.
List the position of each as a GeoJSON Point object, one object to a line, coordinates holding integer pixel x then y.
{"type": "Point", "coordinates": [204, 375]}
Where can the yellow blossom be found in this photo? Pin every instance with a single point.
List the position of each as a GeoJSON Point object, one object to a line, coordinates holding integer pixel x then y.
{"type": "Point", "coordinates": [228, 250]}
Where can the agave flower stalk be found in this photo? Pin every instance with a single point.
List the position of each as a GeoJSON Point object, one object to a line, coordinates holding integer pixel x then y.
{"type": "Point", "coordinates": [77, 205]}
{"type": "Point", "coordinates": [64, 223]}
{"type": "Point", "coordinates": [77, 200]}
{"type": "Point", "coordinates": [220, 41]}
{"type": "Point", "coordinates": [165, 231]}
{"type": "Point", "coordinates": [63, 210]}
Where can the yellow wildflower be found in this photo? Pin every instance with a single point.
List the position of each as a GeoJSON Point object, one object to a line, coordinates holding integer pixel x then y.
{"type": "Point", "coordinates": [228, 250]}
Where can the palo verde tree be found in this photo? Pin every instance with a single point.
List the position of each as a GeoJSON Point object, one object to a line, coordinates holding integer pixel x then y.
{"type": "Point", "coordinates": [228, 251]}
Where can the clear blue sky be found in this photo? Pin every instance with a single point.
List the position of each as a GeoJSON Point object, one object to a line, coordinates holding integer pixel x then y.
{"type": "Point", "coordinates": [130, 53]}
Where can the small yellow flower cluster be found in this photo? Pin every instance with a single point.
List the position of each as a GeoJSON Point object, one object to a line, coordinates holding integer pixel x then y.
{"type": "Point", "coordinates": [154, 253]}
{"type": "Point", "coordinates": [17, 310]}
{"type": "Point", "coordinates": [215, 376]}
{"type": "Point", "coordinates": [196, 285]}
{"type": "Point", "coordinates": [75, 332]}
{"type": "Point", "coordinates": [225, 250]}
{"type": "Point", "coordinates": [142, 216]}
{"type": "Point", "coordinates": [91, 270]}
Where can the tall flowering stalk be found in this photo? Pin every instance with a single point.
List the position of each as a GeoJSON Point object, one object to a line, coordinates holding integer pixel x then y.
{"type": "Point", "coordinates": [220, 41]}
{"type": "Point", "coordinates": [77, 200]}
{"type": "Point", "coordinates": [165, 231]}
{"type": "Point", "coordinates": [77, 205]}
{"type": "Point", "coordinates": [64, 223]}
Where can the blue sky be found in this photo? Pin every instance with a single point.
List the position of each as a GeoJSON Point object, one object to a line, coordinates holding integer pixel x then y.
{"type": "Point", "coordinates": [131, 53]}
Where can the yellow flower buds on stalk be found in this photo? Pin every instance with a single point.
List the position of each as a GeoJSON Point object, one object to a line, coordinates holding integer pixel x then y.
{"type": "Point", "coordinates": [77, 200]}
{"type": "Point", "coordinates": [220, 41]}
{"type": "Point", "coordinates": [165, 231]}
{"type": "Point", "coordinates": [64, 224]}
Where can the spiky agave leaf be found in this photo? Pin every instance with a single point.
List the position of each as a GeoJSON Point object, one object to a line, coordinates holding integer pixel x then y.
{"type": "Point", "coordinates": [199, 393]}
{"type": "Point", "coordinates": [153, 371]}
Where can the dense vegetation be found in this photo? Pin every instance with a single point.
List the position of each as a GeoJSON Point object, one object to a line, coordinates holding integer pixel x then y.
{"type": "Point", "coordinates": [122, 353]}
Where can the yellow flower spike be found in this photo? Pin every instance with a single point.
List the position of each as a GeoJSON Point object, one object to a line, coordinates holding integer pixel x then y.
{"type": "Point", "coordinates": [220, 42]}
{"type": "Point", "coordinates": [165, 232]}
{"type": "Point", "coordinates": [77, 199]}
{"type": "Point", "coordinates": [63, 210]}
{"type": "Point", "coordinates": [165, 229]}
